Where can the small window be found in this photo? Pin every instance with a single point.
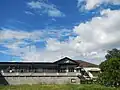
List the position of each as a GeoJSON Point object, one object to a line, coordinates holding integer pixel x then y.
{"type": "Point", "coordinates": [67, 61]}
{"type": "Point", "coordinates": [71, 69]}
{"type": "Point", "coordinates": [73, 80]}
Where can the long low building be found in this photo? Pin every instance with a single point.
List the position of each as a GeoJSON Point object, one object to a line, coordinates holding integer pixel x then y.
{"type": "Point", "coordinates": [62, 71]}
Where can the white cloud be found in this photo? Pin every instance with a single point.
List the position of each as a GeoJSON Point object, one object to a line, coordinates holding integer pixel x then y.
{"type": "Point", "coordinates": [101, 33]}
{"type": "Point", "coordinates": [42, 7]}
{"type": "Point", "coordinates": [18, 36]}
{"type": "Point", "coordinates": [35, 35]}
{"type": "Point", "coordinates": [102, 30]}
{"type": "Point", "coordinates": [54, 50]}
{"type": "Point", "coordinates": [33, 4]}
{"type": "Point", "coordinates": [55, 13]}
{"type": "Point", "coordinates": [13, 39]}
{"type": "Point", "coordinates": [93, 39]}
{"type": "Point", "coordinates": [29, 13]}
{"type": "Point", "coordinates": [91, 4]}
{"type": "Point", "coordinates": [8, 34]}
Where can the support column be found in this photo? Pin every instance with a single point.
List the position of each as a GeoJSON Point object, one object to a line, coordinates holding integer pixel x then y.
{"type": "Point", "coordinates": [74, 70]}
{"type": "Point", "coordinates": [67, 71]}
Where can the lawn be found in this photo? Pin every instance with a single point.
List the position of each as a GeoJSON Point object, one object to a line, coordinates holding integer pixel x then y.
{"type": "Point", "coordinates": [57, 87]}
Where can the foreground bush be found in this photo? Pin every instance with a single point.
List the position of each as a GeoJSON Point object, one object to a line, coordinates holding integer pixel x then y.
{"type": "Point", "coordinates": [110, 68]}
{"type": "Point", "coordinates": [57, 87]}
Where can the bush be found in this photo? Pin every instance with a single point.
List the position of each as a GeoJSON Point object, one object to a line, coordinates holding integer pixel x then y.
{"type": "Point", "coordinates": [110, 69]}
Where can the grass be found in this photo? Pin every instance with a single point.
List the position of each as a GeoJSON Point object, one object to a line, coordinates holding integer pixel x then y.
{"type": "Point", "coordinates": [57, 87]}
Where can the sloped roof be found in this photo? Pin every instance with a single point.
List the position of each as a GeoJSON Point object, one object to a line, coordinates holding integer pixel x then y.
{"type": "Point", "coordinates": [78, 62]}
{"type": "Point", "coordinates": [81, 63]}
{"type": "Point", "coordinates": [66, 58]}
{"type": "Point", "coordinates": [85, 64]}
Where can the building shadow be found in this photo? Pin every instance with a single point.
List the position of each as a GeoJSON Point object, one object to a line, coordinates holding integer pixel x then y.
{"type": "Point", "coordinates": [3, 80]}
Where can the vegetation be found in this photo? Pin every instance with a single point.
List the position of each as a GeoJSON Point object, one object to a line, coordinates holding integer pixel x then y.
{"type": "Point", "coordinates": [57, 87]}
{"type": "Point", "coordinates": [110, 68]}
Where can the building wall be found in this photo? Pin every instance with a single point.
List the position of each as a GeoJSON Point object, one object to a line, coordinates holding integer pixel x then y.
{"type": "Point", "coordinates": [40, 80]}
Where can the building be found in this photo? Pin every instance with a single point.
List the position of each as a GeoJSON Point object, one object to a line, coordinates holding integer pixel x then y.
{"type": "Point", "coordinates": [62, 71]}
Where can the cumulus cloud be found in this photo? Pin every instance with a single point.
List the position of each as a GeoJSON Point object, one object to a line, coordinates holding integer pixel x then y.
{"type": "Point", "coordinates": [102, 30]}
{"type": "Point", "coordinates": [43, 7]}
{"type": "Point", "coordinates": [101, 33]}
{"type": "Point", "coordinates": [93, 39]}
{"type": "Point", "coordinates": [17, 37]}
{"type": "Point", "coordinates": [23, 42]}
{"type": "Point", "coordinates": [17, 42]}
{"type": "Point", "coordinates": [91, 4]}
{"type": "Point", "coordinates": [35, 35]}
{"type": "Point", "coordinates": [54, 50]}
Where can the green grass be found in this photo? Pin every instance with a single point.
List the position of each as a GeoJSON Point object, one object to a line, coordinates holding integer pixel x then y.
{"type": "Point", "coordinates": [57, 87]}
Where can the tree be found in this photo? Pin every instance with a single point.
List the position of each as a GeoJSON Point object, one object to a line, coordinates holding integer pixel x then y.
{"type": "Point", "coordinates": [110, 69]}
{"type": "Point", "coordinates": [114, 53]}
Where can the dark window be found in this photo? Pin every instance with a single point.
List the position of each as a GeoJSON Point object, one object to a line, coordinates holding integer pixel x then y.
{"type": "Point", "coordinates": [71, 70]}
{"type": "Point", "coordinates": [62, 70]}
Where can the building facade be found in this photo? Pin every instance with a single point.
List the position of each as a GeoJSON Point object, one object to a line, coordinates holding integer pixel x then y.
{"type": "Point", "coordinates": [62, 71]}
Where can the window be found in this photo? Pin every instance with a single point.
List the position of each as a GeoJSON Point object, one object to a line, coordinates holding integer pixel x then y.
{"type": "Point", "coordinates": [62, 70]}
{"type": "Point", "coordinates": [71, 70]}
{"type": "Point", "coordinates": [67, 61]}
{"type": "Point", "coordinates": [73, 80]}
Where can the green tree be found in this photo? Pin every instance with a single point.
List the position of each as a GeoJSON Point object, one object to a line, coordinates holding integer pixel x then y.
{"type": "Point", "coordinates": [110, 69]}
{"type": "Point", "coordinates": [114, 53]}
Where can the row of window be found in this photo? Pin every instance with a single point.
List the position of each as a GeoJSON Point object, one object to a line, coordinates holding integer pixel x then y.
{"type": "Point", "coordinates": [39, 70]}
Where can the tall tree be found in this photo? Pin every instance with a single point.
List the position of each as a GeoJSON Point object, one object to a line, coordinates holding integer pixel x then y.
{"type": "Point", "coordinates": [114, 53]}
{"type": "Point", "coordinates": [110, 69]}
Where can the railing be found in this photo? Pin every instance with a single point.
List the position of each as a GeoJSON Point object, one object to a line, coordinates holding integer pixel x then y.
{"type": "Point", "coordinates": [41, 74]}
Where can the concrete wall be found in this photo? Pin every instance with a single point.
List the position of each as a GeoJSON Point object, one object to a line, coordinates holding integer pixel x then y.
{"type": "Point", "coordinates": [39, 80]}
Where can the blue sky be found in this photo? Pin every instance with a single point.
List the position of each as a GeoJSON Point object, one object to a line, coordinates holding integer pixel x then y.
{"type": "Point", "coordinates": [47, 30]}
{"type": "Point", "coordinates": [16, 14]}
